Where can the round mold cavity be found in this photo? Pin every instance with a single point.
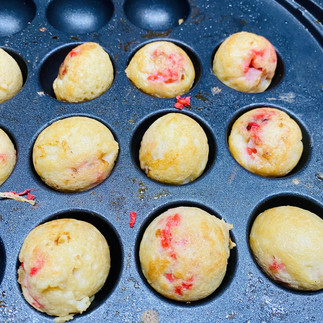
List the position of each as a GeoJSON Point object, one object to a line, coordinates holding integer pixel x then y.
{"type": "Point", "coordinates": [189, 51]}
{"type": "Point", "coordinates": [231, 266]}
{"type": "Point", "coordinates": [147, 122]}
{"type": "Point", "coordinates": [50, 66]}
{"type": "Point", "coordinates": [278, 76]}
{"type": "Point", "coordinates": [15, 15]}
{"type": "Point", "coordinates": [283, 199]}
{"type": "Point", "coordinates": [156, 15]}
{"type": "Point", "coordinates": [2, 260]}
{"type": "Point", "coordinates": [79, 16]}
{"type": "Point", "coordinates": [306, 139]}
{"type": "Point", "coordinates": [116, 255]}
{"type": "Point", "coordinates": [31, 164]}
{"type": "Point", "coordinates": [20, 61]}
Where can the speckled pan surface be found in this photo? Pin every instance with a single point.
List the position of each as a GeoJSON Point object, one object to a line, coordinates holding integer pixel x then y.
{"type": "Point", "coordinates": [40, 33]}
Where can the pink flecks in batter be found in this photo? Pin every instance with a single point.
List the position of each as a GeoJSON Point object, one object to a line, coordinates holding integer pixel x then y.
{"type": "Point", "coordinates": [37, 304]}
{"type": "Point", "coordinates": [166, 234]}
{"type": "Point", "coordinates": [254, 127]}
{"type": "Point", "coordinates": [185, 285]}
{"type": "Point", "coordinates": [39, 264]}
{"type": "Point", "coordinates": [63, 69]}
{"type": "Point", "coordinates": [170, 277]}
{"type": "Point", "coordinates": [3, 157]}
{"type": "Point", "coordinates": [34, 302]}
{"type": "Point", "coordinates": [172, 71]}
{"type": "Point", "coordinates": [276, 266]}
{"type": "Point", "coordinates": [73, 53]}
{"type": "Point", "coordinates": [264, 115]}
{"type": "Point", "coordinates": [253, 67]}
{"type": "Point", "coordinates": [251, 151]}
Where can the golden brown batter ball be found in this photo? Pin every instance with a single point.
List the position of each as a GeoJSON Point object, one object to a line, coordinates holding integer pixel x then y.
{"type": "Point", "coordinates": [85, 74]}
{"type": "Point", "coordinates": [7, 156]}
{"type": "Point", "coordinates": [174, 149]}
{"type": "Point", "coordinates": [245, 62]}
{"type": "Point", "coordinates": [10, 76]}
{"type": "Point", "coordinates": [75, 154]}
{"type": "Point", "coordinates": [161, 69]}
{"type": "Point", "coordinates": [266, 141]}
{"type": "Point", "coordinates": [287, 244]}
{"type": "Point", "coordinates": [64, 263]}
{"type": "Point", "coordinates": [184, 253]}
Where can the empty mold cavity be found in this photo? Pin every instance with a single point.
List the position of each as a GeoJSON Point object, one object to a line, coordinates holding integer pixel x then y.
{"type": "Point", "coordinates": [283, 199]}
{"type": "Point", "coordinates": [306, 139]}
{"type": "Point", "coordinates": [277, 78]}
{"type": "Point", "coordinates": [146, 123]}
{"type": "Point", "coordinates": [116, 254]}
{"type": "Point", "coordinates": [189, 51]}
{"type": "Point", "coordinates": [156, 15]}
{"type": "Point", "coordinates": [79, 16]}
{"type": "Point", "coordinates": [50, 67]}
{"type": "Point", "coordinates": [231, 266]}
{"type": "Point", "coordinates": [2, 260]}
{"type": "Point", "coordinates": [15, 15]}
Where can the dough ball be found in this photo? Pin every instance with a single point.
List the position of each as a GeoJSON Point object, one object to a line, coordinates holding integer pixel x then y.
{"type": "Point", "coordinates": [287, 244]}
{"type": "Point", "coordinates": [64, 263]}
{"type": "Point", "coordinates": [10, 76]}
{"type": "Point", "coordinates": [184, 253]}
{"type": "Point", "coordinates": [266, 141]}
{"type": "Point", "coordinates": [161, 69]}
{"type": "Point", "coordinates": [75, 154]}
{"type": "Point", "coordinates": [245, 62]}
{"type": "Point", "coordinates": [174, 149]}
{"type": "Point", "coordinates": [85, 74]}
{"type": "Point", "coordinates": [7, 156]}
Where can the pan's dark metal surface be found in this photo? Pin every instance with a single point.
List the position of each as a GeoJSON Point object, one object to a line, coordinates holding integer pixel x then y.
{"type": "Point", "coordinates": [39, 34]}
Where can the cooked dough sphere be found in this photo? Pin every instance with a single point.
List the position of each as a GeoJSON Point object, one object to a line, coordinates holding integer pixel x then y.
{"type": "Point", "coordinates": [64, 263]}
{"type": "Point", "coordinates": [85, 74]}
{"type": "Point", "coordinates": [161, 69]}
{"type": "Point", "coordinates": [10, 76]}
{"type": "Point", "coordinates": [266, 141]}
{"type": "Point", "coordinates": [7, 156]}
{"type": "Point", "coordinates": [287, 243]}
{"type": "Point", "coordinates": [174, 149]}
{"type": "Point", "coordinates": [245, 62]}
{"type": "Point", "coordinates": [75, 154]}
{"type": "Point", "coordinates": [184, 253]}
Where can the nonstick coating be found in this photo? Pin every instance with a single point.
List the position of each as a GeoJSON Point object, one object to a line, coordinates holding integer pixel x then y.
{"type": "Point", "coordinates": [40, 33]}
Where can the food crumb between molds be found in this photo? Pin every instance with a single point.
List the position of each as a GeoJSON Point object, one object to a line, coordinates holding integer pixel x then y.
{"type": "Point", "coordinates": [215, 90]}
{"type": "Point", "coordinates": [295, 181]}
{"type": "Point", "coordinates": [319, 176]}
{"type": "Point", "coordinates": [150, 316]}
